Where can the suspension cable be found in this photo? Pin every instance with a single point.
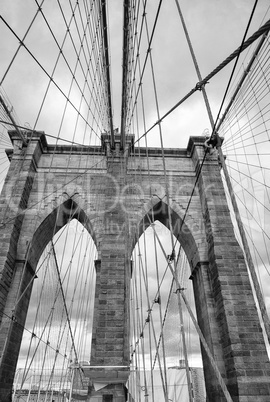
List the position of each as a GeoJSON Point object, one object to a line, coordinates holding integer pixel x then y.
{"type": "Point", "coordinates": [64, 301]}
{"type": "Point", "coordinates": [221, 157]}
{"type": "Point", "coordinates": [265, 28]}
{"type": "Point", "coordinates": [45, 71]}
{"type": "Point", "coordinates": [123, 117]}
{"type": "Point", "coordinates": [107, 67]}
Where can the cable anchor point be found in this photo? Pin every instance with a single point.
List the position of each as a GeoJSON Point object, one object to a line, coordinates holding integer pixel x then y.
{"type": "Point", "coordinates": [178, 290]}
{"type": "Point", "coordinates": [199, 86]}
{"type": "Point", "coordinates": [171, 257]}
{"type": "Point", "coordinates": [157, 299]}
{"type": "Point", "coordinates": [213, 142]}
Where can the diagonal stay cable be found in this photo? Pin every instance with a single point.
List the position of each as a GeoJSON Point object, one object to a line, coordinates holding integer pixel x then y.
{"type": "Point", "coordinates": [46, 72]}
{"type": "Point", "coordinates": [20, 43]}
{"type": "Point", "coordinates": [265, 28]}
{"type": "Point", "coordinates": [65, 305]}
{"type": "Point", "coordinates": [47, 135]}
{"type": "Point", "coordinates": [61, 52]}
{"type": "Point", "coordinates": [246, 72]}
{"type": "Point", "coordinates": [124, 100]}
{"type": "Point", "coordinates": [234, 67]}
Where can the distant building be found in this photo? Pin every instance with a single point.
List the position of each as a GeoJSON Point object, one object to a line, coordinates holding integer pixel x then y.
{"type": "Point", "coordinates": [176, 384]}
{"type": "Point", "coordinates": [198, 384]}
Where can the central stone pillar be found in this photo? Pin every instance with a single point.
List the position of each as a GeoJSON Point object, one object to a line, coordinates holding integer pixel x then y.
{"type": "Point", "coordinates": [109, 365]}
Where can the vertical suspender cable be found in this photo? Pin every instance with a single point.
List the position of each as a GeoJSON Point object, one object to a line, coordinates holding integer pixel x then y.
{"type": "Point", "coordinates": [170, 222]}
{"type": "Point", "coordinates": [125, 70]}
{"type": "Point", "coordinates": [107, 66]}
{"type": "Point", "coordinates": [161, 325]}
{"type": "Point", "coordinates": [146, 282]}
{"type": "Point", "coordinates": [9, 114]}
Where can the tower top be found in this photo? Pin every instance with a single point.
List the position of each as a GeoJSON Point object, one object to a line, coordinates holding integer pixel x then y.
{"type": "Point", "coordinates": [117, 150]}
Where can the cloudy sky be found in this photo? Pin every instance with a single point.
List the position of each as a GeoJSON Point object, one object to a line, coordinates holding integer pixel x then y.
{"type": "Point", "coordinates": [216, 29]}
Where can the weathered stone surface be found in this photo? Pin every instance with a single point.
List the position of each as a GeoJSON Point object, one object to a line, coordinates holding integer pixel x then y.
{"type": "Point", "coordinates": [116, 197]}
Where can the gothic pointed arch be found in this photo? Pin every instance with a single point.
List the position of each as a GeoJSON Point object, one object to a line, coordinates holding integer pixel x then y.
{"type": "Point", "coordinates": [185, 231]}
{"type": "Point", "coordinates": [57, 219]}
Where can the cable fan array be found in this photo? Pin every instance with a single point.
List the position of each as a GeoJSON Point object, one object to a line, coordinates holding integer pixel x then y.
{"type": "Point", "coordinates": [246, 146]}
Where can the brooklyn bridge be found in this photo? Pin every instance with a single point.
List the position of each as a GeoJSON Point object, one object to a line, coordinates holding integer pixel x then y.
{"type": "Point", "coordinates": [134, 219]}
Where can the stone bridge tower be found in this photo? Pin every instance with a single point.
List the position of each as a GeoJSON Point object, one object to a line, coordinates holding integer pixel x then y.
{"type": "Point", "coordinates": [41, 194]}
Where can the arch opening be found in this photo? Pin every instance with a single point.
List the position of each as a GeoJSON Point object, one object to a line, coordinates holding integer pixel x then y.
{"type": "Point", "coordinates": [183, 230]}
{"type": "Point", "coordinates": [55, 221]}
{"type": "Point", "coordinates": [58, 328]}
{"type": "Point", "coordinates": [157, 348]}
